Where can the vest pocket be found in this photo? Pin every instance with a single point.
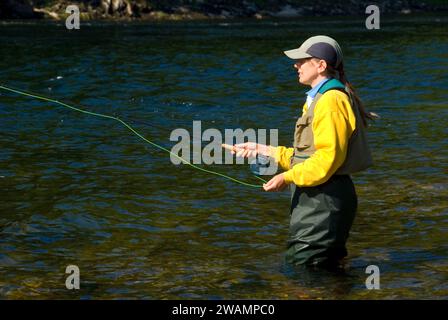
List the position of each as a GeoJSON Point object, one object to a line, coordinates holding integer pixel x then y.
{"type": "Point", "coordinates": [303, 136]}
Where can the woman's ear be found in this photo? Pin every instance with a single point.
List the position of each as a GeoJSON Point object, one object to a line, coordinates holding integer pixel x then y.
{"type": "Point", "coordinates": [322, 66]}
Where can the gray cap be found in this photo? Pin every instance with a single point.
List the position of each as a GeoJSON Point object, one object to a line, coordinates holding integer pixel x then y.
{"type": "Point", "coordinates": [321, 47]}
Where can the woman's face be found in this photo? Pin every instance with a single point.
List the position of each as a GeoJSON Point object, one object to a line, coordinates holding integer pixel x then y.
{"type": "Point", "coordinates": [308, 70]}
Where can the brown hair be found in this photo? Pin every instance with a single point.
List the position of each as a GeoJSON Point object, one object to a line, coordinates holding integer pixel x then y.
{"type": "Point", "coordinates": [365, 115]}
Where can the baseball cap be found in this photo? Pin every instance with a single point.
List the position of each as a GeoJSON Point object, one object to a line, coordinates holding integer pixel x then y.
{"type": "Point", "coordinates": [322, 47]}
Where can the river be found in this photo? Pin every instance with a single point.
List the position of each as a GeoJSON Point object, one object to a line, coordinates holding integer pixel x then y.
{"type": "Point", "coordinates": [82, 190]}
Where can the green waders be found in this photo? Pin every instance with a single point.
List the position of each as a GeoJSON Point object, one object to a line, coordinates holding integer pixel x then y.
{"type": "Point", "coordinates": [321, 218]}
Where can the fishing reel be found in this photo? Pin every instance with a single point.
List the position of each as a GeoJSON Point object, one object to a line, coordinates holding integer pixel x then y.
{"type": "Point", "coordinates": [260, 165]}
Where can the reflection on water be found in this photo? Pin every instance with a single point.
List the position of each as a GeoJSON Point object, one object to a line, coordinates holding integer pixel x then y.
{"type": "Point", "coordinates": [81, 190]}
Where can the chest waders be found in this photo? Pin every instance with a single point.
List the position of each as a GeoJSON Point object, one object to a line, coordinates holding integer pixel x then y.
{"type": "Point", "coordinates": [321, 216]}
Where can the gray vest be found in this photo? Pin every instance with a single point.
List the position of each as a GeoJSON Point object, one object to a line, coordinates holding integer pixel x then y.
{"type": "Point", "coordinates": [358, 156]}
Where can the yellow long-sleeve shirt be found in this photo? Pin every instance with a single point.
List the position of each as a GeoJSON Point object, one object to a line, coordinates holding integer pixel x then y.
{"type": "Point", "coordinates": [333, 124]}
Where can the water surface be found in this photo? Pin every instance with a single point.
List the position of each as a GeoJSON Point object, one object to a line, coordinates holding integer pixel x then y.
{"type": "Point", "coordinates": [81, 190]}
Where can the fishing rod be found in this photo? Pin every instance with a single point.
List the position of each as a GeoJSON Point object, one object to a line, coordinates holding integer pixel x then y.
{"type": "Point", "coordinates": [39, 97]}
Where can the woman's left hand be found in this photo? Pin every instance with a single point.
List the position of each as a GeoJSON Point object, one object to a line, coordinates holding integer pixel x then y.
{"type": "Point", "coordinates": [275, 184]}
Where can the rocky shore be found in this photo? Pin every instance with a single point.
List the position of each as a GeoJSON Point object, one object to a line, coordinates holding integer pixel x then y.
{"type": "Point", "coordinates": [205, 9]}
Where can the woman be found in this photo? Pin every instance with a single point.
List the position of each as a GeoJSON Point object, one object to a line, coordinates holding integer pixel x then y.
{"type": "Point", "coordinates": [329, 144]}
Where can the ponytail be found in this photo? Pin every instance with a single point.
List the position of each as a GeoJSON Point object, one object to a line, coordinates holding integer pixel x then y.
{"type": "Point", "coordinates": [365, 115]}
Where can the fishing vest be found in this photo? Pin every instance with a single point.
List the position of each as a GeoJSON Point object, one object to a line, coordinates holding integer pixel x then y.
{"type": "Point", "coordinates": [358, 153]}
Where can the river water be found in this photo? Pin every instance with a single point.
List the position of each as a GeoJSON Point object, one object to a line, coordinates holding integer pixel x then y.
{"type": "Point", "coordinates": [81, 190]}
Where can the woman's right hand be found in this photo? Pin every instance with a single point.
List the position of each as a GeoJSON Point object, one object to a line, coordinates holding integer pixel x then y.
{"type": "Point", "coordinates": [249, 149]}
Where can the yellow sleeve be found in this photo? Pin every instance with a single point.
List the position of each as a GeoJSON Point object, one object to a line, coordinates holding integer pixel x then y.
{"type": "Point", "coordinates": [332, 126]}
{"type": "Point", "coordinates": [282, 156]}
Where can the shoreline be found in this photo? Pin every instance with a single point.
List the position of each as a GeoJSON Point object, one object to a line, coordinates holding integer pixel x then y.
{"type": "Point", "coordinates": [132, 21]}
{"type": "Point", "coordinates": [140, 10]}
